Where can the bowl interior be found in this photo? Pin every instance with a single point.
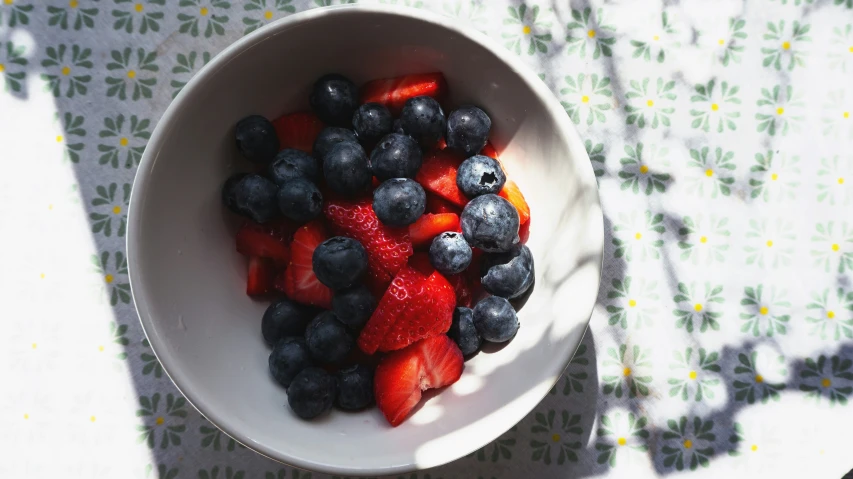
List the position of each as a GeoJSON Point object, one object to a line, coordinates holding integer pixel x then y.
{"type": "Point", "coordinates": [188, 281]}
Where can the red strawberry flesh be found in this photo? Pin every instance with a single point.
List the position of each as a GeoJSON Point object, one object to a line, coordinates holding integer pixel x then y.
{"type": "Point", "coordinates": [259, 279]}
{"type": "Point", "coordinates": [429, 226]}
{"type": "Point", "coordinates": [298, 130]}
{"type": "Point", "coordinates": [300, 283]}
{"type": "Point", "coordinates": [438, 176]}
{"type": "Point", "coordinates": [255, 240]}
{"type": "Point", "coordinates": [393, 92]}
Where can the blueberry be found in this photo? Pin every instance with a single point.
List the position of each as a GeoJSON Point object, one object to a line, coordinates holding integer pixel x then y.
{"type": "Point", "coordinates": [290, 163]}
{"type": "Point", "coordinates": [353, 306]}
{"type": "Point", "coordinates": [311, 393]}
{"type": "Point", "coordinates": [327, 338]}
{"type": "Point", "coordinates": [399, 201]}
{"type": "Point", "coordinates": [450, 253]}
{"type": "Point", "coordinates": [508, 274]}
{"type": "Point", "coordinates": [300, 200]}
{"type": "Point", "coordinates": [495, 319]}
{"type": "Point", "coordinates": [463, 332]}
{"type": "Point", "coordinates": [490, 223]}
{"type": "Point", "coordinates": [329, 137]}
{"type": "Point", "coordinates": [285, 318]}
{"type": "Point", "coordinates": [355, 387]}
{"type": "Point", "coordinates": [371, 122]}
{"type": "Point", "coordinates": [229, 191]}
{"type": "Point", "coordinates": [254, 197]}
{"type": "Point", "coordinates": [397, 127]}
{"type": "Point", "coordinates": [256, 139]}
{"type": "Point", "coordinates": [334, 99]}
{"type": "Point", "coordinates": [468, 130]}
{"type": "Point", "coordinates": [396, 156]}
{"type": "Point", "coordinates": [423, 119]}
{"type": "Point", "coordinates": [288, 358]}
{"type": "Point", "coordinates": [346, 169]}
{"type": "Point", "coordinates": [339, 262]}
{"type": "Point", "coordinates": [480, 175]}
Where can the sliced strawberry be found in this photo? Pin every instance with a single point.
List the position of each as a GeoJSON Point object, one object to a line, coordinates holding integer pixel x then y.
{"type": "Point", "coordinates": [462, 287]}
{"type": "Point", "coordinates": [259, 280]}
{"type": "Point", "coordinates": [298, 130]}
{"type": "Point", "coordinates": [256, 241]}
{"type": "Point", "coordinates": [436, 205]}
{"type": "Point", "coordinates": [427, 314]}
{"type": "Point", "coordinates": [406, 285]}
{"type": "Point", "coordinates": [300, 283]}
{"type": "Point", "coordinates": [429, 226]}
{"type": "Point", "coordinates": [489, 150]}
{"type": "Point", "coordinates": [403, 375]}
{"type": "Point", "coordinates": [524, 232]}
{"type": "Point", "coordinates": [393, 92]}
{"type": "Point", "coordinates": [438, 175]}
{"type": "Point", "coordinates": [512, 193]}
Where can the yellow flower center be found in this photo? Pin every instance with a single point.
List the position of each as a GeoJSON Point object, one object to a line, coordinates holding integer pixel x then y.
{"type": "Point", "coordinates": [59, 138]}
{"type": "Point", "coordinates": [92, 418]}
{"type": "Point", "coordinates": [626, 371]}
{"type": "Point", "coordinates": [835, 247]}
{"type": "Point", "coordinates": [846, 114]}
{"type": "Point", "coordinates": [42, 275]}
{"type": "Point", "coordinates": [632, 303]}
{"type": "Point", "coordinates": [131, 74]}
{"type": "Point", "coordinates": [101, 348]}
{"type": "Point", "coordinates": [109, 278]}
{"type": "Point", "coordinates": [116, 209]}
{"type": "Point", "coordinates": [769, 243]}
{"type": "Point", "coordinates": [697, 307]}
{"type": "Point", "coordinates": [830, 314]}
{"type": "Point", "coordinates": [8, 2]}
{"type": "Point", "coordinates": [850, 49]}
{"type": "Point", "coordinates": [754, 447]}
{"type": "Point", "coordinates": [203, 11]}
{"type": "Point", "coordinates": [650, 103]}
{"type": "Point", "coordinates": [526, 30]}
{"type": "Point", "coordinates": [780, 110]}
{"type": "Point", "coordinates": [721, 41]}
{"type": "Point", "coordinates": [692, 375]}
{"type": "Point", "coordinates": [759, 378]}
{"type": "Point", "coordinates": [26, 416]}
{"type": "Point", "coordinates": [840, 181]}
{"type": "Point", "coordinates": [555, 437]}
{"type": "Point", "coordinates": [591, 34]}
{"type": "Point", "coordinates": [123, 141]}
{"type": "Point", "coordinates": [138, 7]}
{"type": "Point", "coordinates": [621, 441]}
{"type": "Point", "coordinates": [774, 177]}
{"type": "Point", "coordinates": [66, 71]}
{"type": "Point", "coordinates": [2, 68]}
{"type": "Point", "coordinates": [584, 99]}
{"type": "Point", "coordinates": [764, 310]}
{"type": "Point", "coordinates": [703, 239]}
{"type": "Point", "coordinates": [268, 14]}
{"type": "Point", "coordinates": [825, 382]}
{"type": "Point", "coordinates": [709, 172]}
{"type": "Point", "coordinates": [714, 107]}
{"type": "Point", "coordinates": [688, 444]}
{"type": "Point", "coordinates": [638, 235]}
{"type": "Point", "coordinates": [656, 37]}
{"type": "Point", "coordinates": [160, 421]}
{"type": "Point", "coordinates": [644, 169]}
{"type": "Point", "coordinates": [34, 346]}
{"type": "Point", "coordinates": [73, 4]}
{"type": "Point", "coordinates": [786, 45]}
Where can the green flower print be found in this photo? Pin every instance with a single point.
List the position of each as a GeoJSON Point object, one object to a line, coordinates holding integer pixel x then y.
{"type": "Point", "coordinates": [526, 30]}
{"type": "Point", "coordinates": [635, 173]}
{"type": "Point", "coordinates": [185, 68]}
{"type": "Point", "coordinates": [110, 209]}
{"type": "Point", "coordinates": [831, 314]}
{"type": "Point", "coordinates": [831, 246]}
{"type": "Point", "coordinates": [128, 12]}
{"type": "Point", "coordinates": [730, 49]}
{"type": "Point", "coordinates": [711, 174]}
{"type": "Point", "coordinates": [162, 471]}
{"type": "Point", "coordinates": [79, 17]}
{"type": "Point", "coordinates": [646, 48]}
{"type": "Point", "coordinates": [16, 12]}
{"type": "Point", "coordinates": [839, 55]}
{"type": "Point", "coordinates": [832, 176]}
{"type": "Point", "coordinates": [785, 46]}
{"type": "Point", "coordinates": [211, 436]}
{"type": "Point", "coordinates": [619, 431]}
{"type": "Point", "coordinates": [704, 239]}
{"type": "Point", "coordinates": [168, 423]}
{"type": "Point", "coordinates": [472, 12]}
{"type": "Point", "coordinates": [575, 373]}
{"type": "Point", "coordinates": [134, 71]}
{"type": "Point", "coordinates": [500, 449]}
{"type": "Point", "coordinates": [564, 436]}
{"type": "Point", "coordinates": [128, 143]}
{"type": "Point", "coordinates": [227, 473]}
{"type": "Point", "coordinates": [795, 2]}
{"type": "Point", "coordinates": [67, 71]}
{"type": "Point", "coordinates": [586, 96]}
{"type": "Point", "coordinates": [206, 14]}
{"type": "Point", "coordinates": [151, 364]}
{"type": "Point", "coordinates": [657, 104]}
{"type": "Point", "coordinates": [596, 156]}
{"type": "Point", "coordinates": [692, 307]}
{"type": "Point", "coordinates": [736, 438]}
{"type": "Point", "coordinates": [834, 383]}
{"type": "Point", "coordinates": [407, 3]}
{"type": "Point", "coordinates": [327, 3]}
{"type": "Point", "coordinates": [263, 11]}
{"type": "Point", "coordinates": [590, 32]}
{"type": "Point", "coordinates": [715, 106]}
{"type": "Point", "coordinates": [73, 127]}
{"type": "Point", "coordinates": [750, 385]}
{"type": "Point", "coordinates": [770, 244]}
{"type": "Point", "coordinates": [764, 310]}
{"type": "Point", "coordinates": [847, 3]}
{"type": "Point", "coordinates": [689, 447]}
{"type": "Point", "coordinates": [778, 110]}
{"type": "Point", "coordinates": [12, 66]}
{"type": "Point", "coordinates": [117, 334]}
{"type": "Point", "coordinates": [637, 307]}
{"type": "Point", "coordinates": [836, 116]}
{"type": "Point", "coordinates": [694, 373]}
{"type": "Point", "coordinates": [638, 236]}
{"type": "Point", "coordinates": [778, 177]}
{"type": "Point", "coordinates": [627, 372]}
{"type": "Point", "coordinates": [114, 274]}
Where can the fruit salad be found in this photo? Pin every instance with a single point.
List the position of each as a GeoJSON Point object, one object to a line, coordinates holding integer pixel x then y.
{"type": "Point", "coordinates": [388, 236]}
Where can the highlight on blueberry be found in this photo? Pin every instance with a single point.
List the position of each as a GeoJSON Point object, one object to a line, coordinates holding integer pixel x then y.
{"type": "Point", "coordinates": [490, 223]}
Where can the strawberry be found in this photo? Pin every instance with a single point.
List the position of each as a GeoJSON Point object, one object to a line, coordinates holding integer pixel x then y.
{"type": "Point", "coordinates": [254, 240]}
{"type": "Point", "coordinates": [300, 283]}
{"type": "Point", "coordinates": [438, 175]}
{"type": "Point", "coordinates": [387, 248]}
{"type": "Point", "coordinates": [524, 232]}
{"type": "Point", "coordinates": [436, 204]}
{"type": "Point", "coordinates": [403, 375]}
{"type": "Point", "coordinates": [393, 92]}
{"type": "Point", "coordinates": [429, 226]}
{"type": "Point", "coordinates": [259, 279]}
{"type": "Point", "coordinates": [462, 287]}
{"type": "Point", "coordinates": [489, 150]}
{"type": "Point", "coordinates": [512, 193]}
{"type": "Point", "coordinates": [298, 130]}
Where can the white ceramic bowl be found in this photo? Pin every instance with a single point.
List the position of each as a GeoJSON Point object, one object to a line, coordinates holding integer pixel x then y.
{"type": "Point", "coordinates": [188, 282]}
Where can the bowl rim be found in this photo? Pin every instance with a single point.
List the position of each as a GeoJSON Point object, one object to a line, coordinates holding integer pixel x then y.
{"type": "Point", "coordinates": [160, 133]}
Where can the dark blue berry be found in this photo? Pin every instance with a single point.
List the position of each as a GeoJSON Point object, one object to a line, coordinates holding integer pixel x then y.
{"type": "Point", "coordinates": [396, 156]}
{"type": "Point", "coordinates": [480, 175]}
{"type": "Point", "coordinates": [508, 274]}
{"type": "Point", "coordinates": [468, 130]}
{"type": "Point", "coordinates": [399, 201]}
{"type": "Point", "coordinates": [311, 393]}
{"type": "Point", "coordinates": [353, 306]}
{"type": "Point", "coordinates": [463, 332]}
{"type": "Point", "coordinates": [329, 137]}
{"type": "Point", "coordinates": [423, 119]}
{"type": "Point", "coordinates": [288, 358]}
{"type": "Point", "coordinates": [450, 253]}
{"type": "Point", "coordinates": [355, 387]}
{"type": "Point", "coordinates": [346, 169]}
{"type": "Point", "coordinates": [285, 318]}
{"type": "Point", "coordinates": [300, 200]}
{"type": "Point", "coordinates": [327, 338]}
{"type": "Point", "coordinates": [254, 197]}
{"type": "Point", "coordinates": [339, 262]}
{"type": "Point", "coordinates": [291, 163]}
{"type": "Point", "coordinates": [334, 99]}
{"type": "Point", "coordinates": [490, 223]}
{"type": "Point", "coordinates": [495, 319]}
{"type": "Point", "coordinates": [229, 191]}
{"type": "Point", "coordinates": [398, 127]}
{"type": "Point", "coordinates": [256, 139]}
{"type": "Point", "coordinates": [371, 122]}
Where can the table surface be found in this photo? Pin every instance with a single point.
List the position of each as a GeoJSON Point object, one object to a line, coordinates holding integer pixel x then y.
{"type": "Point", "coordinates": [721, 135]}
